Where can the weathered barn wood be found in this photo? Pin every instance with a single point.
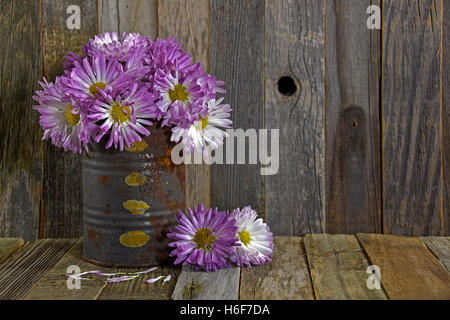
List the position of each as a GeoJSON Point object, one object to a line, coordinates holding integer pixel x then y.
{"type": "Point", "coordinates": [8, 246]}
{"type": "Point", "coordinates": [440, 246]}
{"type": "Point", "coordinates": [445, 114]}
{"type": "Point", "coordinates": [285, 278]}
{"type": "Point", "coordinates": [408, 269]}
{"type": "Point", "coordinates": [27, 266]}
{"type": "Point", "coordinates": [188, 21]}
{"type": "Point", "coordinates": [339, 268]}
{"type": "Point", "coordinates": [237, 57]}
{"type": "Point", "coordinates": [61, 197]}
{"type": "Point", "coordinates": [199, 285]}
{"type": "Point", "coordinates": [20, 133]}
{"type": "Point", "coordinates": [294, 49]}
{"type": "Point", "coordinates": [353, 123]}
{"type": "Point", "coordinates": [411, 107]}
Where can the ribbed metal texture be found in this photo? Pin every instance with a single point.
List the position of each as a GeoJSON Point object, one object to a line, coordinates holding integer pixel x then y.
{"type": "Point", "coordinates": [129, 199]}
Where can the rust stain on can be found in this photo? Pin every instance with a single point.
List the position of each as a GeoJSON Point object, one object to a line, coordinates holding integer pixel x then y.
{"type": "Point", "coordinates": [134, 239]}
{"type": "Point", "coordinates": [136, 207]}
{"type": "Point", "coordinates": [165, 162]}
{"type": "Point", "coordinates": [93, 237]}
{"type": "Point", "coordinates": [137, 147]}
{"type": "Point", "coordinates": [135, 179]}
{"type": "Point", "coordinates": [106, 212]}
{"type": "Point", "coordinates": [104, 179]}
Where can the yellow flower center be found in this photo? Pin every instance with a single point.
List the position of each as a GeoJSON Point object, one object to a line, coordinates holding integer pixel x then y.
{"type": "Point", "coordinates": [72, 119]}
{"type": "Point", "coordinates": [120, 113]}
{"type": "Point", "coordinates": [93, 88]}
{"type": "Point", "coordinates": [201, 125]}
{"type": "Point", "coordinates": [204, 238]}
{"type": "Point", "coordinates": [178, 93]}
{"type": "Point", "coordinates": [245, 238]}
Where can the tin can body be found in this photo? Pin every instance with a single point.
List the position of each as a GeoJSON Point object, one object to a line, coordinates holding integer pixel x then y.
{"type": "Point", "coordinates": [129, 201]}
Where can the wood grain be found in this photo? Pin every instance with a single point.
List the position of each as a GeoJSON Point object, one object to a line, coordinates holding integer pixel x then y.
{"type": "Point", "coordinates": [188, 21]}
{"type": "Point", "coordinates": [53, 285]}
{"type": "Point", "coordinates": [21, 147]}
{"type": "Point", "coordinates": [31, 263]}
{"type": "Point", "coordinates": [8, 246]}
{"type": "Point", "coordinates": [353, 197]}
{"type": "Point", "coordinates": [62, 200]}
{"type": "Point", "coordinates": [408, 269]}
{"type": "Point", "coordinates": [285, 278]}
{"type": "Point", "coordinates": [295, 48]}
{"type": "Point", "coordinates": [445, 114]}
{"type": "Point", "coordinates": [440, 246]}
{"type": "Point", "coordinates": [139, 16]}
{"type": "Point", "coordinates": [339, 268]}
{"type": "Point", "coordinates": [138, 289]}
{"type": "Point", "coordinates": [198, 285]}
{"type": "Point", "coordinates": [412, 186]}
{"type": "Point", "coordinates": [237, 57]}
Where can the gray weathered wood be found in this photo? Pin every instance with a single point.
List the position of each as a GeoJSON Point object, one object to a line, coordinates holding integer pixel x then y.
{"type": "Point", "coordinates": [411, 154]}
{"type": "Point", "coordinates": [8, 246]}
{"type": "Point", "coordinates": [286, 277]}
{"type": "Point", "coordinates": [353, 198]}
{"type": "Point", "coordinates": [446, 116]}
{"type": "Point", "coordinates": [61, 197]}
{"type": "Point", "coordinates": [338, 268]}
{"type": "Point", "coordinates": [128, 16]}
{"type": "Point", "coordinates": [26, 267]}
{"type": "Point", "coordinates": [237, 57]}
{"type": "Point", "coordinates": [188, 22]}
{"type": "Point", "coordinates": [408, 269]}
{"type": "Point", "coordinates": [440, 246]}
{"type": "Point", "coordinates": [295, 48]}
{"type": "Point", "coordinates": [21, 146]}
{"type": "Point", "coordinates": [199, 285]}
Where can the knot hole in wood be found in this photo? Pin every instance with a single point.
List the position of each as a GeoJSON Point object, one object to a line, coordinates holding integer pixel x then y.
{"type": "Point", "coordinates": [287, 86]}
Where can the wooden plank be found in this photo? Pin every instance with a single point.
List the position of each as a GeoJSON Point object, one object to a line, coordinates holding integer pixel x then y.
{"type": "Point", "coordinates": [294, 36]}
{"type": "Point", "coordinates": [198, 285]}
{"type": "Point", "coordinates": [188, 21]}
{"type": "Point", "coordinates": [408, 269]}
{"type": "Point", "coordinates": [352, 89]}
{"type": "Point", "coordinates": [339, 268]}
{"type": "Point", "coordinates": [285, 278]}
{"type": "Point", "coordinates": [411, 155]}
{"type": "Point", "coordinates": [53, 286]}
{"type": "Point", "coordinates": [237, 57]}
{"type": "Point", "coordinates": [31, 263]}
{"type": "Point", "coordinates": [446, 116]}
{"type": "Point", "coordinates": [21, 148]}
{"type": "Point", "coordinates": [138, 289]}
{"type": "Point", "coordinates": [62, 200]}
{"type": "Point", "coordinates": [440, 246]}
{"type": "Point", "coordinates": [139, 16]}
{"type": "Point", "coordinates": [8, 246]}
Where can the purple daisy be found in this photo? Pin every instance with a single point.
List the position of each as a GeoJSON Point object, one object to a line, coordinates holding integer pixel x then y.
{"type": "Point", "coordinates": [124, 116]}
{"type": "Point", "coordinates": [254, 237]}
{"type": "Point", "coordinates": [203, 238]}
{"type": "Point", "coordinates": [62, 119]}
{"type": "Point", "coordinates": [93, 74]}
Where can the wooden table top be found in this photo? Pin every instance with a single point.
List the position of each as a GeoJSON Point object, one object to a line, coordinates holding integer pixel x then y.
{"type": "Point", "coordinates": [317, 266]}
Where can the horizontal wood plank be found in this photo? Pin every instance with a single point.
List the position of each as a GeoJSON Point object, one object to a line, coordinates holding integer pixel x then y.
{"type": "Point", "coordinates": [285, 278]}
{"type": "Point", "coordinates": [408, 269]}
{"type": "Point", "coordinates": [440, 246]}
{"type": "Point", "coordinates": [27, 266]}
{"type": "Point", "coordinates": [338, 268]}
{"type": "Point", "coordinates": [8, 246]}
{"type": "Point", "coordinates": [220, 285]}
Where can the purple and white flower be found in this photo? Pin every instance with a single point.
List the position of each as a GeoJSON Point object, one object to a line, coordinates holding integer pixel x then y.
{"type": "Point", "coordinates": [203, 238]}
{"type": "Point", "coordinates": [254, 237]}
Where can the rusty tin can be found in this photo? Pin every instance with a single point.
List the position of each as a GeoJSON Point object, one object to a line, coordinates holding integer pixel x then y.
{"type": "Point", "coordinates": [129, 201]}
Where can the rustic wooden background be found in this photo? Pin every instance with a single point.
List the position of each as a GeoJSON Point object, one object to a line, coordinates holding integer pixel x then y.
{"type": "Point", "coordinates": [364, 139]}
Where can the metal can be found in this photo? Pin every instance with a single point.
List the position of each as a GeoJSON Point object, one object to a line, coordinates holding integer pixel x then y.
{"type": "Point", "coordinates": [129, 202]}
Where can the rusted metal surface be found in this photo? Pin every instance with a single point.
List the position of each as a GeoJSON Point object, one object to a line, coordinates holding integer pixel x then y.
{"type": "Point", "coordinates": [129, 199]}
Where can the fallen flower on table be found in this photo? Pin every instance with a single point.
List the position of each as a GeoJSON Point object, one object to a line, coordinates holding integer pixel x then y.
{"type": "Point", "coordinates": [154, 279]}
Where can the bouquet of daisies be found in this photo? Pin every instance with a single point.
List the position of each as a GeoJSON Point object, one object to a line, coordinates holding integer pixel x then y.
{"type": "Point", "coordinates": [212, 239]}
{"type": "Point", "coordinates": [121, 86]}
